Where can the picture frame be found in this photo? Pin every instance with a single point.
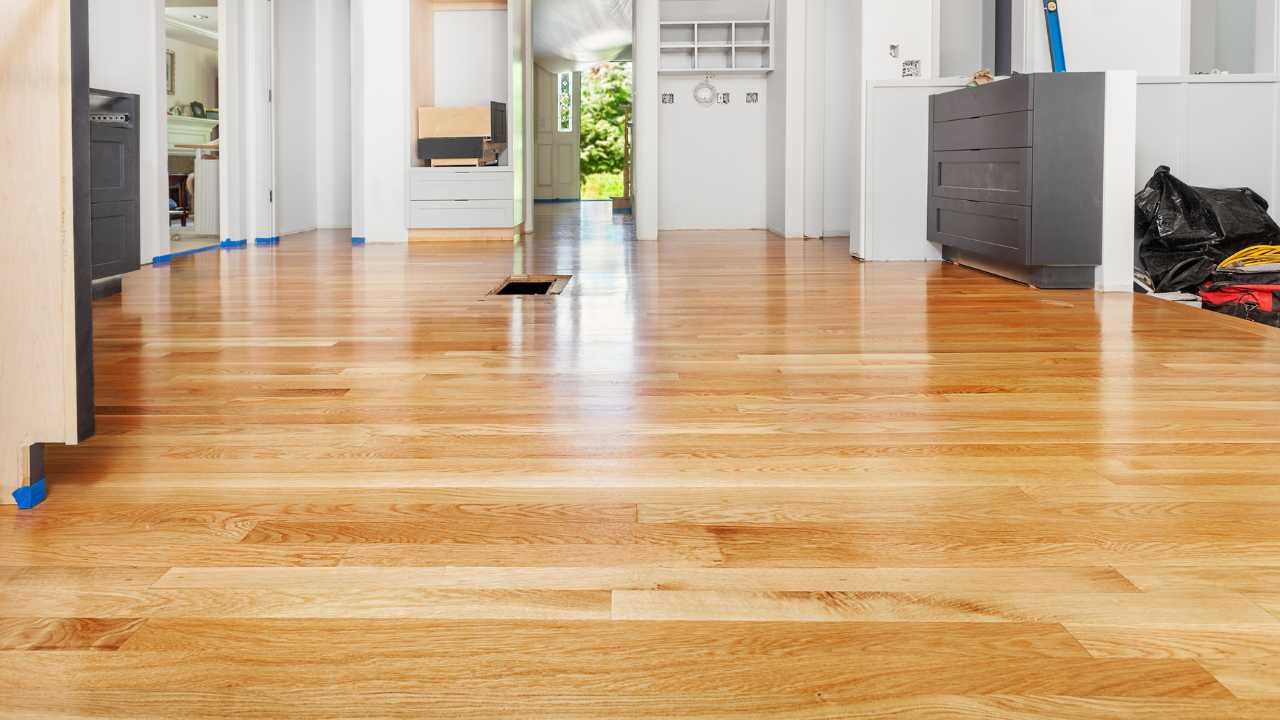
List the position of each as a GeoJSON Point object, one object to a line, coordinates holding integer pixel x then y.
{"type": "Point", "coordinates": [170, 72]}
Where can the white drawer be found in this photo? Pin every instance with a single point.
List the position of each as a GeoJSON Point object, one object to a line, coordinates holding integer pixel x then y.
{"type": "Point", "coordinates": [425, 214]}
{"type": "Point", "coordinates": [450, 184]}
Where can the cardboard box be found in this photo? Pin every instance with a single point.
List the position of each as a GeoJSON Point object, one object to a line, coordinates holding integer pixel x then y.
{"type": "Point", "coordinates": [455, 122]}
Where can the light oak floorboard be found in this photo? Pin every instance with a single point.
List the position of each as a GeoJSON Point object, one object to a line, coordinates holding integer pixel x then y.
{"type": "Point", "coordinates": [722, 476]}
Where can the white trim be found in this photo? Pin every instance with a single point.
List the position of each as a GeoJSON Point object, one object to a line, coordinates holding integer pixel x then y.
{"type": "Point", "coordinates": [1119, 167]}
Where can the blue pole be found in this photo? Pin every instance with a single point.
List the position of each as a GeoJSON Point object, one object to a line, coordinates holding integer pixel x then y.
{"type": "Point", "coordinates": [1056, 50]}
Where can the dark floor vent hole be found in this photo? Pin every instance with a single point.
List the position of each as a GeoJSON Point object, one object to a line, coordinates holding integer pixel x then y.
{"type": "Point", "coordinates": [533, 285]}
{"type": "Point", "coordinates": [526, 288]}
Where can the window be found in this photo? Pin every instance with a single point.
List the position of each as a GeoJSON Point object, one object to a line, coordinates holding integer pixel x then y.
{"type": "Point", "coordinates": [564, 102]}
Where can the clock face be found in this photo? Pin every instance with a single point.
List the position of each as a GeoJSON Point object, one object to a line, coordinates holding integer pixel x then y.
{"type": "Point", "coordinates": [705, 94]}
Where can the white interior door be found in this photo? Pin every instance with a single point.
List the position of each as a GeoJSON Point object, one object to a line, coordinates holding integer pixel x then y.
{"type": "Point", "coordinates": [558, 110]}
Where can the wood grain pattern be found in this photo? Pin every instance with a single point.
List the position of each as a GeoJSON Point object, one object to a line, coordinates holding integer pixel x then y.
{"type": "Point", "coordinates": [721, 477]}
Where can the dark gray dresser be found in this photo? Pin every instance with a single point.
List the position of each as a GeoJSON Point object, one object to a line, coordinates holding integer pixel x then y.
{"type": "Point", "coordinates": [1016, 177]}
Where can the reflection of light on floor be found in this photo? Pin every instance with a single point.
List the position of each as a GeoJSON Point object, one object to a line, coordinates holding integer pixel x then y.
{"type": "Point", "coordinates": [594, 324]}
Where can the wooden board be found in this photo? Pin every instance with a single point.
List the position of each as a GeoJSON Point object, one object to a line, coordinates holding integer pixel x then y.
{"type": "Point", "coordinates": [37, 279]}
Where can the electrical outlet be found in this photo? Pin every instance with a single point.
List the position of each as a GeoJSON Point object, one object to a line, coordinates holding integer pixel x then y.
{"type": "Point", "coordinates": [910, 68]}
{"type": "Point", "coordinates": [753, 98]}
{"type": "Point", "coordinates": [668, 98]}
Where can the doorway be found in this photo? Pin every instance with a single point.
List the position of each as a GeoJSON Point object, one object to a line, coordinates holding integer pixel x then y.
{"type": "Point", "coordinates": [558, 117]}
{"type": "Point", "coordinates": [192, 124]}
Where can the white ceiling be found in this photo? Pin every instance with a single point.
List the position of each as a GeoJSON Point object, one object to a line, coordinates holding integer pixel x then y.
{"type": "Point", "coordinates": [194, 23]}
{"type": "Point", "coordinates": [579, 33]}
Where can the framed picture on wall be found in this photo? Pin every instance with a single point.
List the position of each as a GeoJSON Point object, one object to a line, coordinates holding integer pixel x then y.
{"type": "Point", "coordinates": [170, 71]}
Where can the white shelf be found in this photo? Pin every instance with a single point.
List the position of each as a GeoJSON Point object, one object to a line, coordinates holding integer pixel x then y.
{"type": "Point", "coordinates": [716, 71]}
{"type": "Point", "coordinates": [710, 46]}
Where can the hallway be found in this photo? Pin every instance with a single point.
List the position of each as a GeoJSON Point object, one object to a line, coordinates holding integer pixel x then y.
{"type": "Point", "coordinates": [722, 476]}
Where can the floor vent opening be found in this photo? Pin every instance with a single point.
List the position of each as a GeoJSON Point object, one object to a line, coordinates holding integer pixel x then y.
{"type": "Point", "coordinates": [533, 285]}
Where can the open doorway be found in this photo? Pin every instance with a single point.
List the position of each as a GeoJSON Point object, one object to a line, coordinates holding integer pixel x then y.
{"type": "Point", "coordinates": [192, 124]}
{"type": "Point", "coordinates": [605, 144]}
{"type": "Point", "coordinates": [583, 143]}
{"type": "Point", "coordinates": [582, 102]}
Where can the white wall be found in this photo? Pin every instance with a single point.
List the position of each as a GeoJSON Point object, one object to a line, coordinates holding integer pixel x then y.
{"type": "Point", "coordinates": [1265, 51]}
{"type": "Point", "coordinates": [381, 114]}
{"type": "Point", "coordinates": [647, 119]}
{"type": "Point", "coordinates": [1237, 35]}
{"type": "Point", "coordinates": [843, 43]}
{"type": "Point", "coordinates": [1212, 132]}
{"type": "Point", "coordinates": [1142, 35]}
{"type": "Point", "coordinates": [196, 76]}
{"type": "Point", "coordinates": [126, 51]}
{"type": "Point", "coordinates": [906, 23]}
{"type": "Point", "coordinates": [295, 108]}
{"type": "Point", "coordinates": [471, 63]}
{"type": "Point", "coordinates": [712, 158]}
{"type": "Point", "coordinates": [962, 29]}
{"type": "Point", "coordinates": [333, 113]}
{"type": "Point", "coordinates": [786, 119]}
{"type": "Point", "coordinates": [776, 127]}
{"type": "Point", "coordinates": [815, 117]}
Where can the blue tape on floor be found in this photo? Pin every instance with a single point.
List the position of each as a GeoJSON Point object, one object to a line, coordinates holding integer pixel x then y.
{"type": "Point", "coordinates": [31, 495]}
{"type": "Point", "coordinates": [357, 241]}
{"type": "Point", "coordinates": [267, 240]}
{"type": "Point", "coordinates": [229, 244]}
{"type": "Point", "coordinates": [165, 259]}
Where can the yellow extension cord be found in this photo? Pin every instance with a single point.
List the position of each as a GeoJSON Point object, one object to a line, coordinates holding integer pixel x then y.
{"type": "Point", "coordinates": [1252, 257]}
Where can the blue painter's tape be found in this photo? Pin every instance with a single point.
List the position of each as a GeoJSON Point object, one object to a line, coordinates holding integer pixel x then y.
{"type": "Point", "coordinates": [31, 495]}
{"type": "Point", "coordinates": [357, 241]}
{"type": "Point", "coordinates": [166, 259]}
{"type": "Point", "coordinates": [229, 244]}
{"type": "Point", "coordinates": [267, 240]}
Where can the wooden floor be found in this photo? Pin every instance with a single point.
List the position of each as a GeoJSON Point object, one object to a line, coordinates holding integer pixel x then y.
{"type": "Point", "coordinates": [721, 477]}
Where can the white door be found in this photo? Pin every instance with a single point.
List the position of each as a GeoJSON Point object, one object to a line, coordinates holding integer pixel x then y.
{"type": "Point", "coordinates": [558, 110]}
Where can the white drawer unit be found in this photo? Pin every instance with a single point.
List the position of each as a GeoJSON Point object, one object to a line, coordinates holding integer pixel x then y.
{"type": "Point", "coordinates": [461, 214]}
{"type": "Point", "coordinates": [461, 198]}
{"type": "Point", "coordinates": [461, 185]}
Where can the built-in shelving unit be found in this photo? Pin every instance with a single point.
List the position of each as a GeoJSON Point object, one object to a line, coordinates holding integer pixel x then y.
{"type": "Point", "coordinates": [696, 45]}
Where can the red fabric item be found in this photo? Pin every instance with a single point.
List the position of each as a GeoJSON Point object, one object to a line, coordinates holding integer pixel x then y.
{"type": "Point", "coordinates": [1263, 296]}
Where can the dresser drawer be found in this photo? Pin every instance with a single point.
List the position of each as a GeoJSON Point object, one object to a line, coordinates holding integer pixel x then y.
{"type": "Point", "coordinates": [1004, 96]}
{"type": "Point", "coordinates": [989, 229]}
{"type": "Point", "coordinates": [457, 214]}
{"type": "Point", "coordinates": [443, 184]}
{"type": "Point", "coordinates": [1002, 176]}
{"type": "Point", "coordinates": [1010, 130]}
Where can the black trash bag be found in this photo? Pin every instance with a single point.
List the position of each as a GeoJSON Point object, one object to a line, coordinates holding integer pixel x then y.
{"type": "Point", "coordinates": [1184, 233]}
{"type": "Point", "coordinates": [1177, 234]}
{"type": "Point", "coordinates": [1242, 217]}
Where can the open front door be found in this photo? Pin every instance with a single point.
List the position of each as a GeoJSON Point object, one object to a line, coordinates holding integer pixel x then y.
{"type": "Point", "coordinates": [558, 110]}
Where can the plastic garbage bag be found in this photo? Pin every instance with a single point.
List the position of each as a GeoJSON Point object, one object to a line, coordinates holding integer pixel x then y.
{"type": "Point", "coordinates": [1242, 217]}
{"type": "Point", "coordinates": [1183, 233]}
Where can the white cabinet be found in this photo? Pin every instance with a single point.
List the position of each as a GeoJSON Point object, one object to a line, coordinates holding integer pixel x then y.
{"type": "Point", "coordinates": [461, 198]}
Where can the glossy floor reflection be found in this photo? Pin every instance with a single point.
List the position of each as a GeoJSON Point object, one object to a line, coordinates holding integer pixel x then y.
{"type": "Point", "coordinates": [722, 476]}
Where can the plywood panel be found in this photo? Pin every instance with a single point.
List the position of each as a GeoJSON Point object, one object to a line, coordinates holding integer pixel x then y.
{"type": "Point", "coordinates": [37, 322]}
